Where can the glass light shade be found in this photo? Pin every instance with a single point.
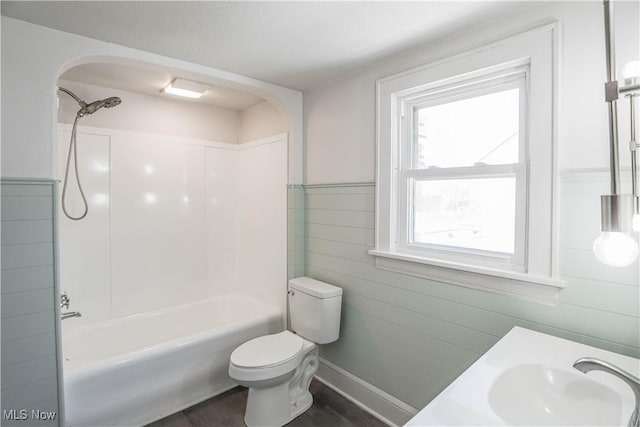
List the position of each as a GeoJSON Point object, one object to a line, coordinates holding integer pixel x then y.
{"type": "Point", "coordinates": [636, 222]}
{"type": "Point", "coordinates": [631, 72]}
{"type": "Point", "coordinates": [615, 249]}
{"type": "Point", "coordinates": [631, 69]}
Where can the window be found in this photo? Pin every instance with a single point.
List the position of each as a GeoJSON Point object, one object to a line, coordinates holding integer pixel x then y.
{"type": "Point", "coordinates": [465, 168]}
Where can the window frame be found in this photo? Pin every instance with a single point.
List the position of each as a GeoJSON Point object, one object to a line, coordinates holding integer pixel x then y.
{"type": "Point", "coordinates": [530, 59]}
{"type": "Point", "coordinates": [516, 77]}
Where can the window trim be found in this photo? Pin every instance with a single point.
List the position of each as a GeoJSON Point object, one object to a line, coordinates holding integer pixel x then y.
{"type": "Point", "coordinates": [538, 278]}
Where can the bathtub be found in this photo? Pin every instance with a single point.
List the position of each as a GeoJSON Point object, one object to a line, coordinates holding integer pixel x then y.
{"type": "Point", "coordinates": [137, 369]}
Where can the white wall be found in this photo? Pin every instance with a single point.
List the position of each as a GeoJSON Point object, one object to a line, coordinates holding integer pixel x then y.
{"type": "Point", "coordinates": [260, 121]}
{"type": "Point", "coordinates": [339, 117]}
{"type": "Point", "coordinates": [145, 113]}
{"type": "Point", "coordinates": [33, 58]}
{"type": "Point", "coordinates": [171, 220]}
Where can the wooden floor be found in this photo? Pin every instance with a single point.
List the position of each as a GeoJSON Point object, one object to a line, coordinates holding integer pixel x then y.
{"type": "Point", "coordinates": [227, 410]}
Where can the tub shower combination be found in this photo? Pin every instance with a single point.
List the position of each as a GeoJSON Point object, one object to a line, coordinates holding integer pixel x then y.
{"type": "Point", "coordinates": [179, 357]}
{"type": "Point", "coordinates": [153, 254]}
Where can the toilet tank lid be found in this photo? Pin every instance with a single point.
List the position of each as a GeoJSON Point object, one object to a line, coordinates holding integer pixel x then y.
{"type": "Point", "coordinates": [314, 287]}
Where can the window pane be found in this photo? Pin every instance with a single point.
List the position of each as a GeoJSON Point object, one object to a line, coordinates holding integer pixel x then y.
{"type": "Point", "coordinates": [483, 129]}
{"type": "Point", "coordinates": [466, 213]}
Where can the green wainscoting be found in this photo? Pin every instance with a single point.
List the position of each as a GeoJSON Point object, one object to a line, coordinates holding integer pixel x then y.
{"type": "Point", "coordinates": [411, 337]}
{"type": "Point", "coordinates": [29, 359]}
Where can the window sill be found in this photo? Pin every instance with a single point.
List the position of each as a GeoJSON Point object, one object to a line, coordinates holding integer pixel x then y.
{"type": "Point", "coordinates": [521, 285]}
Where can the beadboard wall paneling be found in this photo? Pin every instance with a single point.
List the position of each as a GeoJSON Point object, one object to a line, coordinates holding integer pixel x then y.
{"type": "Point", "coordinates": [29, 358]}
{"type": "Point", "coordinates": [411, 337]}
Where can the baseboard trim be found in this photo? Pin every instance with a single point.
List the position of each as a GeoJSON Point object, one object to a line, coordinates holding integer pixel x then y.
{"type": "Point", "coordinates": [368, 397]}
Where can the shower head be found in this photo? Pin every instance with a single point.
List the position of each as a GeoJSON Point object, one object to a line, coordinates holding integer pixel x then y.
{"type": "Point", "coordinates": [86, 109]}
{"type": "Point", "coordinates": [112, 102]}
{"type": "Point", "coordinates": [96, 105]}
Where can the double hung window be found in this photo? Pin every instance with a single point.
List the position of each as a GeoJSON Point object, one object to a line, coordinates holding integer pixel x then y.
{"type": "Point", "coordinates": [466, 183]}
{"type": "Point", "coordinates": [463, 169]}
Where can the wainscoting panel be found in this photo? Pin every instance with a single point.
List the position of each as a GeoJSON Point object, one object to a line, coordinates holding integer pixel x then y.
{"type": "Point", "coordinates": [29, 360]}
{"type": "Point", "coordinates": [410, 337]}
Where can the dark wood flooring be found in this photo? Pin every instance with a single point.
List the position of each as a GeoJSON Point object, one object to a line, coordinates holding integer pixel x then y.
{"type": "Point", "coordinates": [227, 410]}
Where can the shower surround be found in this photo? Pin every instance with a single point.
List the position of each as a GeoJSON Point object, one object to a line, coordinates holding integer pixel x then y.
{"type": "Point", "coordinates": [171, 221]}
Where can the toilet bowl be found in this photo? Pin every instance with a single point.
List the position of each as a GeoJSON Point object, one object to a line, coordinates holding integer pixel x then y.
{"type": "Point", "coordinates": [278, 368]}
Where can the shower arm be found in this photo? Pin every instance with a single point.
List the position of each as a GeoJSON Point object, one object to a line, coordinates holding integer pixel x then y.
{"type": "Point", "coordinates": [74, 96]}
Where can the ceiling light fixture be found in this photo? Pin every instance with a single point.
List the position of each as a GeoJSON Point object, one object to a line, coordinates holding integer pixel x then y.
{"type": "Point", "coordinates": [187, 88]}
{"type": "Point", "coordinates": [620, 213]}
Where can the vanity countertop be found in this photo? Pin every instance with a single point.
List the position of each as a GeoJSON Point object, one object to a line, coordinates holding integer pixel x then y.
{"type": "Point", "coordinates": [527, 378]}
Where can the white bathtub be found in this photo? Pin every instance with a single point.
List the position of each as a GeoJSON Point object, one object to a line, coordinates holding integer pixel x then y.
{"type": "Point", "coordinates": [137, 369]}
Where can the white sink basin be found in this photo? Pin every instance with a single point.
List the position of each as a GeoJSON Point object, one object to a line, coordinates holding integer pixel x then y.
{"type": "Point", "coordinates": [528, 378]}
{"type": "Point", "coordinates": [533, 394]}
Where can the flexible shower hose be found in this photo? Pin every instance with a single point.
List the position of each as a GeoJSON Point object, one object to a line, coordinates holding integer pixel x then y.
{"type": "Point", "coordinates": [73, 147]}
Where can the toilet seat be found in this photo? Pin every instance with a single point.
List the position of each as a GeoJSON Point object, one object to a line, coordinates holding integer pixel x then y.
{"type": "Point", "coordinates": [267, 351]}
{"type": "Point", "coordinates": [268, 357]}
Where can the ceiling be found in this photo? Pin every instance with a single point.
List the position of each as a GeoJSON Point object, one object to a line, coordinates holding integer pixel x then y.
{"type": "Point", "coordinates": [151, 79]}
{"type": "Point", "coordinates": [299, 45]}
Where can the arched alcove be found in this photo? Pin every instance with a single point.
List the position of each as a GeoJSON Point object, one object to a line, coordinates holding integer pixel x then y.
{"type": "Point", "coordinates": [284, 102]}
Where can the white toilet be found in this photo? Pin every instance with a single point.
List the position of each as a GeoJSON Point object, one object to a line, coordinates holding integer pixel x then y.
{"type": "Point", "coordinates": [278, 368]}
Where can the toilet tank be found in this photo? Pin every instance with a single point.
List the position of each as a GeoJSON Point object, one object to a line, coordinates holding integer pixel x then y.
{"type": "Point", "coordinates": [314, 309]}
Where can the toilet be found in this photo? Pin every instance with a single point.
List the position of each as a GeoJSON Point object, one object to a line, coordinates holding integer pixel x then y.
{"type": "Point", "coordinates": [278, 368]}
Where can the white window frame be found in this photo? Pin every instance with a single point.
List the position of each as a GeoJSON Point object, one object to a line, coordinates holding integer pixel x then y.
{"type": "Point", "coordinates": [528, 60]}
{"type": "Point", "coordinates": [464, 89]}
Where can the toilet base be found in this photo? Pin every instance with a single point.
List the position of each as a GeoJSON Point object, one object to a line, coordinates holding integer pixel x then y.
{"type": "Point", "coordinates": [265, 406]}
{"type": "Point", "coordinates": [277, 405]}
{"type": "Point", "coordinates": [301, 405]}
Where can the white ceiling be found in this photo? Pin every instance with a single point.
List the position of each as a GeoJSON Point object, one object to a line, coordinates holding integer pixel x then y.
{"type": "Point", "coordinates": [299, 45]}
{"type": "Point", "coordinates": [151, 79]}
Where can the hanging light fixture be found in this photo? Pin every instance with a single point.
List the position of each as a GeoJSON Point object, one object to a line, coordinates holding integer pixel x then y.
{"type": "Point", "coordinates": [620, 213]}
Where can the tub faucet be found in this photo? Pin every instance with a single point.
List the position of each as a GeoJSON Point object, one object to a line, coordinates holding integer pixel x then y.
{"type": "Point", "coordinates": [587, 364]}
{"type": "Point", "coordinates": [70, 314]}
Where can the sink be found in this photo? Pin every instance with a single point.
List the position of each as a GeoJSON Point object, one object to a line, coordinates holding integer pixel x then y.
{"type": "Point", "coordinates": [527, 378]}
{"type": "Point", "coordinates": [534, 394]}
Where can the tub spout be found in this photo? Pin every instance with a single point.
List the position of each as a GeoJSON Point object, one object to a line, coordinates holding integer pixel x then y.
{"type": "Point", "coordinates": [70, 314]}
